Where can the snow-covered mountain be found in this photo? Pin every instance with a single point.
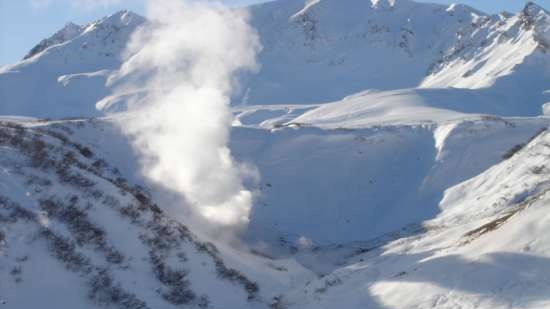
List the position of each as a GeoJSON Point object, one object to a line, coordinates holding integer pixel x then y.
{"type": "Point", "coordinates": [401, 156]}
{"type": "Point", "coordinates": [319, 51]}
{"type": "Point", "coordinates": [68, 76]}
{"type": "Point", "coordinates": [69, 32]}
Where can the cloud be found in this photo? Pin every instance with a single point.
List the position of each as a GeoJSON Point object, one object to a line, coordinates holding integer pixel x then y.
{"type": "Point", "coordinates": [186, 59]}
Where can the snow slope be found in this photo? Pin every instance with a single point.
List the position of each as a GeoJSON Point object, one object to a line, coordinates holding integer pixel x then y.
{"type": "Point", "coordinates": [76, 232]}
{"type": "Point", "coordinates": [329, 199]}
{"type": "Point", "coordinates": [343, 185]}
{"type": "Point", "coordinates": [67, 33]}
{"type": "Point", "coordinates": [309, 51]}
{"type": "Point", "coordinates": [487, 249]}
{"type": "Point", "coordinates": [487, 50]}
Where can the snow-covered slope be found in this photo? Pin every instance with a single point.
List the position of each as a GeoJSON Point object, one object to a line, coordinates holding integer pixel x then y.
{"type": "Point", "coordinates": [74, 231]}
{"type": "Point", "coordinates": [487, 249]}
{"type": "Point", "coordinates": [487, 50]}
{"type": "Point", "coordinates": [328, 199]}
{"type": "Point", "coordinates": [328, 49]}
{"type": "Point", "coordinates": [363, 183]}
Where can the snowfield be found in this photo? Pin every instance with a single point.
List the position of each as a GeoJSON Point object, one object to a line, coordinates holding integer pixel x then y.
{"type": "Point", "coordinates": [399, 152]}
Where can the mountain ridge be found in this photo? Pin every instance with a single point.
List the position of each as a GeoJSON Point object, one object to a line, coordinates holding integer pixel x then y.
{"type": "Point", "coordinates": [432, 45]}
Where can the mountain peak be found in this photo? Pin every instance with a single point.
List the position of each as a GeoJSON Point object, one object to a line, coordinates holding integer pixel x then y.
{"type": "Point", "coordinates": [67, 33]}
{"type": "Point", "coordinates": [535, 17]}
{"type": "Point", "coordinates": [126, 17]}
{"type": "Point", "coordinates": [123, 18]}
{"type": "Point", "coordinates": [99, 44]}
{"type": "Point", "coordinates": [532, 12]}
{"type": "Point", "coordinates": [533, 9]}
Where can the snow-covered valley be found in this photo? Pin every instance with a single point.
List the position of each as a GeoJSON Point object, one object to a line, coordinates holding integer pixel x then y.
{"type": "Point", "coordinates": [396, 153]}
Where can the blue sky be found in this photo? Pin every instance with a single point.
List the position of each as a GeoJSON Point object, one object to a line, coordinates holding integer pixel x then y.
{"type": "Point", "coordinates": [23, 23]}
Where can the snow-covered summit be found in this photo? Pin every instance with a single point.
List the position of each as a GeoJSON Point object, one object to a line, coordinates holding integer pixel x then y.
{"type": "Point", "coordinates": [120, 19]}
{"type": "Point", "coordinates": [100, 29]}
{"type": "Point", "coordinates": [531, 8]}
{"type": "Point", "coordinates": [68, 32]}
{"type": "Point", "coordinates": [537, 18]}
{"type": "Point", "coordinates": [65, 74]}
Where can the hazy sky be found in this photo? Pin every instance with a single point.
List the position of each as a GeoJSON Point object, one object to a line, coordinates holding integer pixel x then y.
{"type": "Point", "coordinates": [23, 23]}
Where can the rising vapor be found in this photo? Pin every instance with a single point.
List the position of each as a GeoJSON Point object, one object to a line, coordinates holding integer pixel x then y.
{"type": "Point", "coordinates": [187, 59]}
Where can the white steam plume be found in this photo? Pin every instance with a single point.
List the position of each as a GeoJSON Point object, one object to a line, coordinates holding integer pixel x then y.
{"type": "Point", "coordinates": [187, 59]}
